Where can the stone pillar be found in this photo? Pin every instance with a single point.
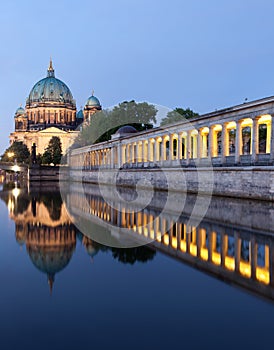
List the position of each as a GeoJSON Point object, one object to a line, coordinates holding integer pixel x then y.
{"type": "Point", "coordinates": [137, 152]}
{"type": "Point", "coordinates": [255, 140]}
{"type": "Point", "coordinates": [143, 145]}
{"type": "Point", "coordinates": [171, 149]}
{"type": "Point", "coordinates": [132, 153]}
{"type": "Point", "coordinates": [238, 141]}
{"type": "Point", "coordinates": [199, 144]}
{"type": "Point", "coordinates": [119, 149]}
{"type": "Point", "coordinates": [224, 142]}
{"type": "Point", "coordinates": [179, 145]}
{"type": "Point", "coordinates": [188, 147]}
{"type": "Point", "coordinates": [148, 150]}
{"type": "Point", "coordinates": [163, 148]}
{"type": "Point", "coordinates": [155, 155]}
{"type": "Point", "coordinates": [211, 145]}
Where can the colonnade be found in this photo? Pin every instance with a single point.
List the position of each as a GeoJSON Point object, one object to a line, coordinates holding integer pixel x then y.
{"type": "Point", "coordinates": [232, 250]}
{"type": "Point", "coordinates": [230, 142]}
{"type": "Point", "coordinates": [51, 116]}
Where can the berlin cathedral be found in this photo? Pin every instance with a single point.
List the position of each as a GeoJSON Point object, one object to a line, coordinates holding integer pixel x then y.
{"type": "Point", "coordinates": [50, 110]}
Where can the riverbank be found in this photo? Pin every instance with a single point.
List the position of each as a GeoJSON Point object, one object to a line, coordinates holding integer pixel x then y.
{"type": "Point", "coordinates": [238, 182]}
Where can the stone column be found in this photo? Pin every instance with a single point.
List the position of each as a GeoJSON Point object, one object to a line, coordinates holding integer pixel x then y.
{"type": "Point", "coordinates": [155, 155]}
{"type": "Point", "coordinates": [224, 142]}
{"type": "Point", "coordinates": [171, 148]}
{"type": "Point", "coordinates": [238, 141]}
{"type": "Point", "coordinates": [163, 148]}
{"type": "Point", "coordinates": [132, 153]}
{"type": "Point", "coordinates": [119, 149]}
{"type": "Point", "coordinates": [199, 144]}
{"type": "Point", "coordinates": [255, 140]}
{"type": "Point", "coordinates": [148, 150]}
{"type": "Point", "coordinates": [143, 145]}
{"type": "Point", "coordinates": [137, 152]}
{"type": "Point", "coordinates": [188, 147]}
{"type": "Point", "coordinates": [211, 145]}
{"type": "Point", "coordinates": [179, 145]}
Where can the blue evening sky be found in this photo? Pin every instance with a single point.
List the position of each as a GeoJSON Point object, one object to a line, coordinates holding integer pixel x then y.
{"type": "Point", "coordinates": [199, 54]}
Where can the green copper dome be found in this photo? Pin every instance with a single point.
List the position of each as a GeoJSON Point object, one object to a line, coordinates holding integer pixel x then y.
{"type": "Point", "coordinates": [20, 111]}
{"type": "Point", "coordinates": [50, 89]}
{"type": "Point", "coordinates": [93, 102]}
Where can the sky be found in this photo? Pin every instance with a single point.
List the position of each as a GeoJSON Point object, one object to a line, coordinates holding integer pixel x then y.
{"type": "Point", "coordinates": [200, 54]}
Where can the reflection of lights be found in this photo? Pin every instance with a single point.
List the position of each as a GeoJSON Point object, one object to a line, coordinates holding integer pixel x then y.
{"type": "Point", "coordinates": [262, 275]}
{"type": "Point", "coordinates": [10, 205]}
{"type": "Point", "coordinates": [16, 192]}
{"type": "Point", "coordinates": [10, 154]}
{"type": "Point", "coordinates": [15, 168]}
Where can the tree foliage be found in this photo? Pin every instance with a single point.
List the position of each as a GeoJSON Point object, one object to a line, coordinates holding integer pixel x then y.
{"type": "Point", "coordinates": [105, 123]}
{"type": "Point", "coordinates": [53, 152]}
{"type": "Point", "coordinates": [177, 115]}
{"type": "Point", "coordinates": [17, 151]}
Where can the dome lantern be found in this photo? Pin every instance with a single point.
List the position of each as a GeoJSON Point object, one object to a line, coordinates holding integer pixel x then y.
{"type": "Point", "coordinates": [50, 69]}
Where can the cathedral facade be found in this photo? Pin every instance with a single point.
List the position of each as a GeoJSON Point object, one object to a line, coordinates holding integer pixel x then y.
{"type": "Point", "coordinates": [50, 110]}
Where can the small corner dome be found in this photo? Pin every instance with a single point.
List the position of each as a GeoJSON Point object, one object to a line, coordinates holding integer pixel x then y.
{"type": "Point", "coordinates": [93, 102]}
{"type": "Point", "coordinates": [127, 129]}
{"type": "Point", "coordinates": [20, 111]}
{"type": "Point", "coordinates": [80, 114]}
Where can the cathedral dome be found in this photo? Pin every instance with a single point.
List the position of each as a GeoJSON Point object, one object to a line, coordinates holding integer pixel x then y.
{"type": "Point", "coordinates": [20, 111]}
{"type": "Point", "coordinates": [93, 102]}
{"type": "Point", "coordinates": [50, 89]}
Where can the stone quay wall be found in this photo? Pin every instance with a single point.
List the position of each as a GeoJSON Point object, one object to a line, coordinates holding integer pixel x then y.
{"type": "Point", "coordinates": [239, 182]}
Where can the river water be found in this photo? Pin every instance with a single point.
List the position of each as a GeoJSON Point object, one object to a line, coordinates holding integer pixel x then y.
{"type": "Point", "coordinates": [209, 285]}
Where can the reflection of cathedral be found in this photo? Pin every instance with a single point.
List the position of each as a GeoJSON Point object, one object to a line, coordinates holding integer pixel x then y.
{"type": "Point", "coordinates": [50, 111]}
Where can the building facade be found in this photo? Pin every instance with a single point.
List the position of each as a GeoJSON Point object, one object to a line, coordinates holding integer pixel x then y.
{"type": "Point", "coordinates": [50, 110]}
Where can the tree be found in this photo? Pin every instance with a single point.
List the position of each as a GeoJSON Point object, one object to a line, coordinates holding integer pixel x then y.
{"type": "Point", "coordinates": [53, 153]}
{"type": "Point", "coordinates": [19, 151]}
{"type": "Point", "coordinates": [105, 123]}
{"type": "Point", "coordinates": [177, 115]}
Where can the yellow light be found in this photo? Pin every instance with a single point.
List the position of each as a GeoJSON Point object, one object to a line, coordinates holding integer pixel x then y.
{"type": "Point", "coordinates": [205, 130]}
{"type": "Point", "coordinates": [145, 231]}
{"type": "Point", "coordinates": [217, 127]}
{"type": "Point", "coordinates": [193, 249]}
{"type": "Point", "coordinates": [16, 192]}
{"type": "Point", "coordinates": [265, 119]}
{"type": "Point", "coordinates": [231, 125]}
{"type": "Point", "coordinates": [15, 168]}
{"type": "Point", "coordinates": [166, 239]}
{"type": "Point", "coordinates": [174, 242]}
{"type": "Point", "coordinates": [216, 258]}
{"type": "Point", "coordinates": [159, 236]}
{"type": "Point", "coordinates": [10, 154]}
{"type": "Point", "coordinates": [262, 275]}
{"type": "Point", "coordinates": [183, 246]}
{"type": "Point", "coordinates": [247, 122]}
{"type": "Point", "coordinates": [230, 263]}
{"type": "Point", "coordinates": [245, 269]}
{"type": "Point", "coordinates": [204, 254]}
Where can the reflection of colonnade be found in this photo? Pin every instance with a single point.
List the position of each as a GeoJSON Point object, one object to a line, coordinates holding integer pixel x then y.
{"type": "Point", "coordinates": [239, 135]}
{"type": "Point", "coordinates": [236, 253]}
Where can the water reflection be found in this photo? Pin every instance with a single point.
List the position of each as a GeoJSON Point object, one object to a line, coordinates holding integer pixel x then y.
{"type": "Point", "coordinates": [43, 226]}
{"type": "Point", "coordinates": [238, 253]}
{"type": "Point", "coordinates": [237, 248]}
